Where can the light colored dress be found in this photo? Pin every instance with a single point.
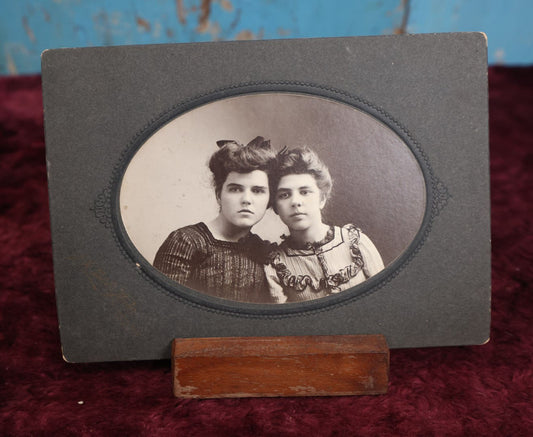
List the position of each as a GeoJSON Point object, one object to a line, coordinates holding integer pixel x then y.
{"type": "Point", "coordinates": [345, 258]}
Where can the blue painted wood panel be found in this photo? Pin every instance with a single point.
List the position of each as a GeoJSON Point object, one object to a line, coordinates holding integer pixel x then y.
{"type": "Point", "coordinates": [27, 27]}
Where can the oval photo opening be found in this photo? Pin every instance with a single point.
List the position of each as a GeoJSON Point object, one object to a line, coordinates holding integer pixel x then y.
{"type": "Point", "coordinates": [272, 198]}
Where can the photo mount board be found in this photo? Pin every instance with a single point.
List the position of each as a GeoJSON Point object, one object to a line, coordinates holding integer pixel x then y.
{"type": "Point", "coordinates": [102, 104]}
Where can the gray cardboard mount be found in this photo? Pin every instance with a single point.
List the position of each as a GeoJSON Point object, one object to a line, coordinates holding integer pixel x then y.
{"type": "Point", "coordinates": [99, 101]}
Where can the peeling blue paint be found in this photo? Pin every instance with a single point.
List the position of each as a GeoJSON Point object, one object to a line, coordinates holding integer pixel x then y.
{"type": "Point", "coordinates": [27, 27]}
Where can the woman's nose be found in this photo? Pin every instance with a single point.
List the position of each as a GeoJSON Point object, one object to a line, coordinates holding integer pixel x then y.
{"type": "Point", "coordinates": [246, 197]}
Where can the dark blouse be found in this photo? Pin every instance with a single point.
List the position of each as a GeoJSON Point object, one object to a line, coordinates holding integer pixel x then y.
{"type": "Point", "coordinates": [192, 257]}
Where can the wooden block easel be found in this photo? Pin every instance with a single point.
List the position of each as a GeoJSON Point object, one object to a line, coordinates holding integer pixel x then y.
{"type": "Point", "coordinates": [235, 367]}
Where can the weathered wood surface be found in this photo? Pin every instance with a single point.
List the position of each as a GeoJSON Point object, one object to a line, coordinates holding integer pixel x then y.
{"type": "Point", "coordinates": [280, 366]}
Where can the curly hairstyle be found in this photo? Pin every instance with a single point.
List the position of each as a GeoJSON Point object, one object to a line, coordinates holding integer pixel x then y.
{"type": "Point", "coordinates": [302, 160]}
{"type": "Point", "coordinates": [232, 156]}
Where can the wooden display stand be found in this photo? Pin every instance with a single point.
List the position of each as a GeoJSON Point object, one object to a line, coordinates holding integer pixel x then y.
{"type": "Point", "coordinates": [235, 367]}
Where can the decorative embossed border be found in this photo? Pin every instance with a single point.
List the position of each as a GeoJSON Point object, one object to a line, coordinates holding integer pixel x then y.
{"type": "Point", "coordinates": [107, 211]}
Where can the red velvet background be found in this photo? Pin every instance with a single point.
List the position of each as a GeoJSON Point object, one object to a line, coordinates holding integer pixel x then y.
{"type": "Point", "coordinates": [481, 390]}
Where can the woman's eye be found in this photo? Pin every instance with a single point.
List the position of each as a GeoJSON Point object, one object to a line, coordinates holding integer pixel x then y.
{"type": "Point", "coordinates": [283, 195]}
{"type": "Point", "coordinates": [234, 189]}
{"type": "Point", "coordinates": [259, 191]}
{"type": "Point", "coordinates": [304, 192]}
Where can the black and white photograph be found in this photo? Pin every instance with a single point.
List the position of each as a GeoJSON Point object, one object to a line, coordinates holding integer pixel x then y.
{"type": "Point", "coordinates": [329, 186]}
{"type": "Point", "coordinates": [272, 198]}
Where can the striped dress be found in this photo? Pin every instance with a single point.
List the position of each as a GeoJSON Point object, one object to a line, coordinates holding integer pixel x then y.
{"type": "Point", "coordinates": [345, 258]}
{"type": "Point", "coordinates": [192, 257]}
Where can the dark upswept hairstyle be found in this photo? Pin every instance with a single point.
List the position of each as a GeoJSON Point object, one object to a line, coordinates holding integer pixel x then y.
{"type": "Point", "coordinates": [302, 160]}
{"type": "Point", "coordinates": [233, 156]}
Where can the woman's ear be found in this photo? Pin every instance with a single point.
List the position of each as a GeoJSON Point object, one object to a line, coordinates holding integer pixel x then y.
{"type": "Point", "coordinates": [323, 200]}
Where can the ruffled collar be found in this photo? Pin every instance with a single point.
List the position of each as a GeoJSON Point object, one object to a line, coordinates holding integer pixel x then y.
{"type": "Point", "coordinates": [309, 245]}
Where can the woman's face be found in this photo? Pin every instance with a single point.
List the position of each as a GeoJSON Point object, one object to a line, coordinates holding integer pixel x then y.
{"type": "Point", "coordinates": [299, 202]}
{"type": "Point", "coordinates": [244, 198]}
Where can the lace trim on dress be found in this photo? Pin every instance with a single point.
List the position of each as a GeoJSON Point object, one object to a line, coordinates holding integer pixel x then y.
{"type": "Point", "coordinates": [329, 283]}
{"type": "Point", "coordinates": [330, 235]}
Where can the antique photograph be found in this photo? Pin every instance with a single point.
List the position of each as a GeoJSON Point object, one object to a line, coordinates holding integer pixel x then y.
{"type": "Point", "coordinates": [329, 186]}
{"type": "Point", "coordinates": [272, 198]}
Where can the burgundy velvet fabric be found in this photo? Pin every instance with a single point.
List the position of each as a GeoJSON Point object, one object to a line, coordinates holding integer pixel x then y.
{"type": "Point", "coordinates": [480, 390]}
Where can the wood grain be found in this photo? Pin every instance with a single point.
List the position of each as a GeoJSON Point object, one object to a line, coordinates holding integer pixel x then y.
{"type": "Point", "coordinates": [280, 366]}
